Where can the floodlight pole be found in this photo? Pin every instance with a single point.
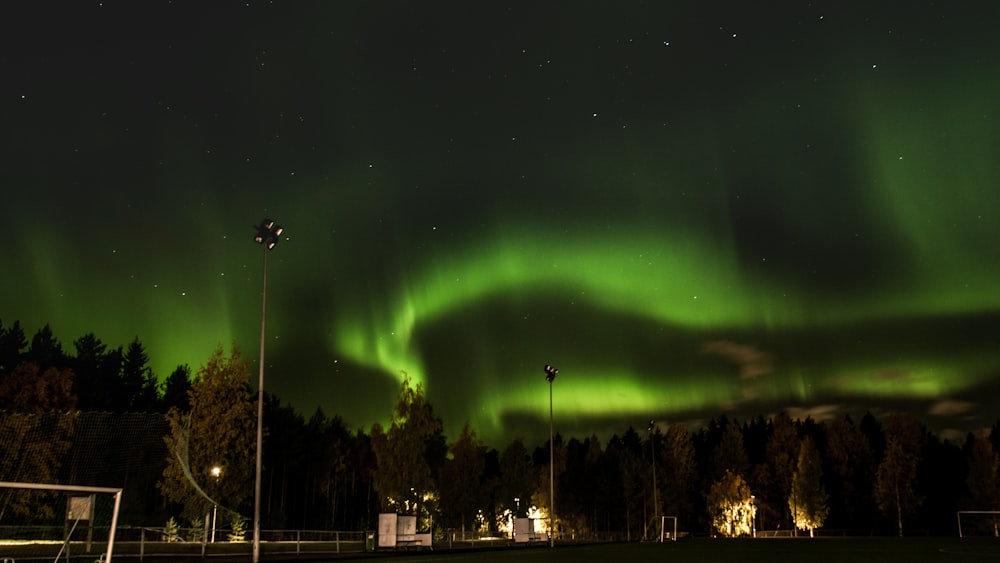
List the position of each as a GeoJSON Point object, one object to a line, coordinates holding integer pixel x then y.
{"type": "Point", "coordinates": [268, 234]}
{"type": "Point", "coordinates": [652, 450]}
{"type": "Point", "coordinates": [550, 375]}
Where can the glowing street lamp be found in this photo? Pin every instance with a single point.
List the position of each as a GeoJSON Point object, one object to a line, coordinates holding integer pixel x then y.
{"type": "Point", "coordinates": [550, 375]}
{"type": "Point", "coordinates": [268, 234]}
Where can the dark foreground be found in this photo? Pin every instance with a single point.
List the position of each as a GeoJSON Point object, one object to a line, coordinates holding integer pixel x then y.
{"type": "Point", "coordinates": [818, 550]}
{"type": "Point", "coordinates": [688, 550]}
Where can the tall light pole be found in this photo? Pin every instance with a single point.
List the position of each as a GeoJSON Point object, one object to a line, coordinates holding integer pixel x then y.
{"type": "Point", "coordinates": [268, 234]}
{"type": "Point", "coordinates": [652, 451]}
{"type": "Point", "coordinates": [550, 375]}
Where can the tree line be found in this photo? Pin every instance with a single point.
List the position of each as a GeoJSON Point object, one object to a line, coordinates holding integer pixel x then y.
{"type": "Point", "coordinates": [101, 417]}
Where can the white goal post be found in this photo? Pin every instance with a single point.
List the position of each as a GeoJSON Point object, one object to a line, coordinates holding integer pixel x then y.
{"type": "Point", "coordinates": [117, 494]}
{"type": "Point", "coordinates": [664, 534]}
{"type": "Point", "coordinates": [992, 524]}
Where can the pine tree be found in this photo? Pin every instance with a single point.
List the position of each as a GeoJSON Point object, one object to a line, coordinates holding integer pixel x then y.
{"type": "Point", "coordinates": [176, 389]}
{"type": "Point", "coordinates": [139, 384]}
{"type": "Point", "coordinates": [12, 343]}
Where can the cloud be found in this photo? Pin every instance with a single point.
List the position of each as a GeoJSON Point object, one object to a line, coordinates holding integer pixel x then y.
{"type": "Point", "coordinates": [953, 435]}
{"type": "Point", "coordinates": [819, 413]}
{"type": "Point", "coordinates": [752, 361]}
{"type": "Point", "coordinates": [950, 407]}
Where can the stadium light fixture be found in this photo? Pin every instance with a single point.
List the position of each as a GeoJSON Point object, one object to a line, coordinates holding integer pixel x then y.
{"type": "Point", "coordinates": [268, 234]}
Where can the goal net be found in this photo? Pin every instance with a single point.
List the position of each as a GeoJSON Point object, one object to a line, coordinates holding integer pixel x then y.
{"type": "Point", "coordinates": [54, 521]}
{"type": "Point", "coordinates": [972, 523]}
{"type": "Point", "coordinates": [62, 474]}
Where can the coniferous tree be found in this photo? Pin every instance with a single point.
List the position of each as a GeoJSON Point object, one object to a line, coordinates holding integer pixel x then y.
{"type": "Point", "coordinates": [45, 350]}
{"type": "Point", "coordinates": [139, 386]}
{"type": "Point", "coordinates": [12, 346]}
{"type": "Point", "coordinates": [176, 389]}
{"type": "Point", "coordinates": [98, 375]}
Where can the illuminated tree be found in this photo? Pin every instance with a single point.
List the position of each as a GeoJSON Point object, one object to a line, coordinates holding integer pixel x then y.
{"type": "Point", "coordinates": [896, 479]}
{"type": "Point", "coordinates": [216, 431]}
{"type": "Point", "coordinates": [731, 506]}
{"type": "Point", "coordinates": [462, 493]}
{"type": "Point", "coordinates": [404, 477]}
{"type": "Point", "coordinates": [808, 502]}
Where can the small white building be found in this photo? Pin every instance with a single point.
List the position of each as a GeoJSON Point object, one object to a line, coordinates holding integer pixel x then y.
{"type": "Point", "coordinates": [400, 530]}
{"type": "Point", "coordinates": [524, 531]}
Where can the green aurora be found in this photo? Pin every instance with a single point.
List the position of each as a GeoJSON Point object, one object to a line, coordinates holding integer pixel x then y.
{"type": "Point", "coordinates": [688, 216]}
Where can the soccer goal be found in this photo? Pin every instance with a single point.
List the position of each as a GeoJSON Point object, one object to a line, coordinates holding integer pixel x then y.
{"type": "Point", "coordinates": [53, 521]}
{"type": "Point", "coordinates": [668, 528]}
{"type": "Point", "coordinates": [978, 523]}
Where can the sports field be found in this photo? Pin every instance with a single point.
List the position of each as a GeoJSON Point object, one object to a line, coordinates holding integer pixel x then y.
{"type": "Point", "coordinates": [802, 550]}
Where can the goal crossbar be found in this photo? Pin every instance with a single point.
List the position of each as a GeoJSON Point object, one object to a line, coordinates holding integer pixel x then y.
{"type": "Point", "coordinates": [78, 489]}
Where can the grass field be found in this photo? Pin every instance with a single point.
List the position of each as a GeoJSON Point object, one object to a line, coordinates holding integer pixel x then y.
{"type": "Point", "coordinates": [802, 550]}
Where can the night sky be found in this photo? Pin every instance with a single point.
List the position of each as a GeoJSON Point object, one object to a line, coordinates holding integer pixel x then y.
{"type": "Point", "coordinates": [689, 208]}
